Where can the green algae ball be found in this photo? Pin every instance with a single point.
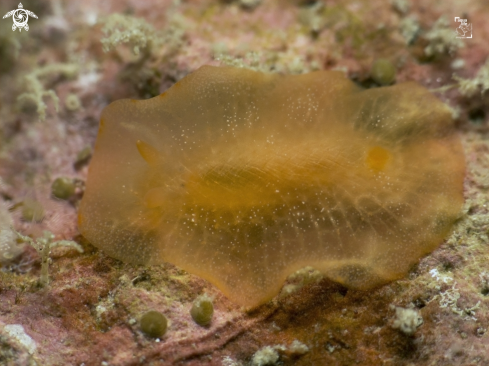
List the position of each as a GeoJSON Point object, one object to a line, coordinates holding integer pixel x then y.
{"type": "Point", "coordinates": [383, 72]}
{"type": "Point", "coordinates": [154, 324]}
{"type": "Point", "coordinates": [202, 310]}
{"type": "Point", "coordinates": [63, 188]}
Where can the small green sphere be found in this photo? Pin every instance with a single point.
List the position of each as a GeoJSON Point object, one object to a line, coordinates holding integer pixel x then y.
{"type": "Point", "coordinates": [63, 188]}
{"type": "Point", "coordinates": [154, 324]}
{"type": "Point", "coordinates": [202, 310]}
{"type": "Point", "coordinates": [383, 72]}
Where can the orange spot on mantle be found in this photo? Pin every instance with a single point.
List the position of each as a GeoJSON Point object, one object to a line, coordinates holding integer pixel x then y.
{"type": "Point", "coordinates": [377, 158]}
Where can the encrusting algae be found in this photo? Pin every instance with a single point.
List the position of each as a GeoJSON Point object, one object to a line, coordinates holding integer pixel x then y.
{"type": "Point", "coordinates": [242, 178]}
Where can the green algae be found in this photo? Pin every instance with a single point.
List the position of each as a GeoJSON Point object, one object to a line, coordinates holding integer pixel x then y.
{"type": "Point", "coordinates": [154, 324]}
{"type": "Point", "coordinates": [383, 72]}
{"type": "Point", "coordinates": [202, 310]}
{"type": "Point", "coordinates": [63, 188]}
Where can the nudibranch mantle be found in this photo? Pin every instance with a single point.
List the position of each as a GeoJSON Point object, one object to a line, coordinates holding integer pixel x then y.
{"type": "Point", "coordinates": [243, 178]}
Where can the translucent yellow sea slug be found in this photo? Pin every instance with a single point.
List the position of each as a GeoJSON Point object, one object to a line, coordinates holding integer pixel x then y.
{"type": "Point", "coordinates": [243, 178]}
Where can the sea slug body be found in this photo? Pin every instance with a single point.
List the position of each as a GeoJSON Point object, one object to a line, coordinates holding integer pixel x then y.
{"type": "Point", "coordinates": [243, 178]}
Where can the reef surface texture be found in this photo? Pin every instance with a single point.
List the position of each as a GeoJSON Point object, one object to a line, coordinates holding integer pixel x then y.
{"type": "Point", "coordinates": [79, 56]}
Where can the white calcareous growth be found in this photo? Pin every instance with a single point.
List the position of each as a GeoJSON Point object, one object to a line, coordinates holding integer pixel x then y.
{"type": "Point", "coordinates": [17, 332]}
{"type": "Point", "coordinates": [407, 320]}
